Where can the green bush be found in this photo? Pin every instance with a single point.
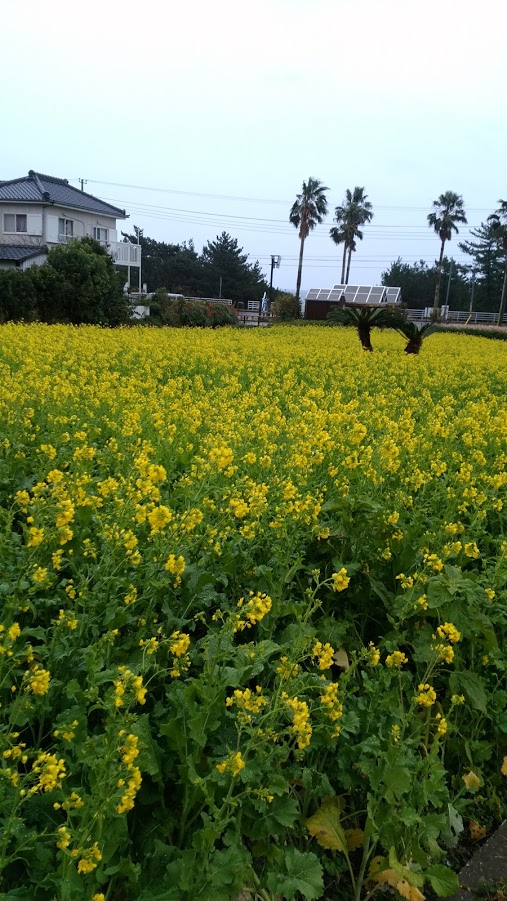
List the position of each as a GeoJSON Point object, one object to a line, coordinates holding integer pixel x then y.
{"type": "Point", "coordinates": [78, 284]}
{"type": "Point", "coordinates": [17, 297]}
{"type": "Point", "coordinates": [178, 312]}
{"type": "Point", "coordinates": [286, 307]}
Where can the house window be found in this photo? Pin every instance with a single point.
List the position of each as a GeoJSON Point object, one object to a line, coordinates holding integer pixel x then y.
{"type": "Point", "coordinates": [100, 234]}
{"type": "Point", "coordinates": [15, 223]}
{"type": "Point", "coordinates": [65, 229]}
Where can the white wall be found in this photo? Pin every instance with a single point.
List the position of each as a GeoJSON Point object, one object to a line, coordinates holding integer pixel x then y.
{"type": "Point", "coordinates": [32, 210]}
{"type": "Point", "coordinates": [84, 222]}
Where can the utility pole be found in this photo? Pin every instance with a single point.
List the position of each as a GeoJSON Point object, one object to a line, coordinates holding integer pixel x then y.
{"type": "Point", "coordinates": [220, 289]}
{"type": "Point", "coordinates": [275, 264]}
{"type": "Point", "coordinates": [472, 291]}
{"type": "Point", "coordinates": [83, 181]}
{"type": "Point", "coordinates": [448, 286]}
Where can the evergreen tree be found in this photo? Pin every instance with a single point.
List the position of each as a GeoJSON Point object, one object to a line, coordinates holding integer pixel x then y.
{"type": "Point", "coordinates": [487, 266]}
{"type": "Point", "coordinates": [498, 221]}
{"type": "Point", "coordinates": [417, 283]}
{"type": "Point", "coordinates": [224, 259]}
{"type": "Point", "coordinates": [175, 267]}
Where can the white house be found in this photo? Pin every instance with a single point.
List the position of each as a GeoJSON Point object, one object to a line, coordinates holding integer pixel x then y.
{"type": "Point", "coordinates": [38, 211]}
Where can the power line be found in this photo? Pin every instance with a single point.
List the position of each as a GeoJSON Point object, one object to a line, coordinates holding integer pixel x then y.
{"type": "Point", "coordinates": [252, 199]}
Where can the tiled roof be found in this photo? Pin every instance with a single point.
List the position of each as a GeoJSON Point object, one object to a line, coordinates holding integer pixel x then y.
{"type": "Point", "coordinates": [20, 252]}
{"type": "Point", "coordinates": [38, 188]}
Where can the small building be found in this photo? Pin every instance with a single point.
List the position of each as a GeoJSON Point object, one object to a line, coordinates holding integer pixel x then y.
{"type": "Point", "coordinates": [320, 301]}
{"type": "Point", "coordinates": [39, 211]}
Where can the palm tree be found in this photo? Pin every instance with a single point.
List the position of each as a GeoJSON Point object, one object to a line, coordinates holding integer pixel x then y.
{"type": "Point", "coordinates": [339, 236]}
{"type": "Point", "coordinates": [364, 318]}
{"type": "Point", "coordinates": [498, 221]}
{"type": "Point", "coordinates": [308, 210]}
{"type": "Point", "coordinates": [447, 211]}
{"type": "Point", "coordinates": [356, 211]}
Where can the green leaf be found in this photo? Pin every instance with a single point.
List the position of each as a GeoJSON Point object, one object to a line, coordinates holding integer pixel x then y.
{"type": "Point", "coordinates": [472, 687]}
{"type": "Point", "coordinates": [455, 820]}
{"type": "Point", "coordinates": [398, 781]}
{"type": "Point", "coordinates": [325, 825]}
{"type": "Point", "coordinates": [443, 881]}
{"type": "Point", "coordinates": [303, 876]}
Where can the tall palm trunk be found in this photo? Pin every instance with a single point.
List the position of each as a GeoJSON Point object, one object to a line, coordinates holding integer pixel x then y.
{"type": "Point", "coordinates": [348, 266]}
{"type": "Point", "coordinates": [300, 268]}
{"type": "Point", "coordinates": [436, 304]}
{"type": "Point", "coordinates": [503, 298]}
{"type": "Point", "coordinates": [344, 262]}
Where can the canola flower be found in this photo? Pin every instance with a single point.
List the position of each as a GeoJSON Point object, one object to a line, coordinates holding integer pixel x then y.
{"type": "Point", "coordinates": [301, 727]}
{"type": "Point", "coordinates": [232, 764]}
{"type": "Point", "coordinates": [427, 695]}
{"type": "Point", "coordinates": [156, 475]}
{"type": "Point", "coordinates": [396, 660]}
{"type": "Point", "coordinates": [253, 610]}
{"type": "Point", "coordinates": [323, 653]}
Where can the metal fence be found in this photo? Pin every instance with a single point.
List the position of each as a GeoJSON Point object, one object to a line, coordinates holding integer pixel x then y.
{"type": "Point", "coordinates": [456, 316]}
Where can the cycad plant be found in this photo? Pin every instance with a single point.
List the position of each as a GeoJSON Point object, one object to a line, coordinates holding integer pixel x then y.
{"type": "Point", "coordinates": [413, 333]}
{"type": "Point", "coordinates": [364, 319]}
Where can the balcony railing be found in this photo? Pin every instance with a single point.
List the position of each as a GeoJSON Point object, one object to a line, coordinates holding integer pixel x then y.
{"type": "Point", "coordinates": [125, 254]}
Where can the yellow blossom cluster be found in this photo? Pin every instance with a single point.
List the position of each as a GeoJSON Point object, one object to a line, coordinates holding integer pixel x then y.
{"type": "Point", "coordinates": [427, 695]}
{"type": "Point", "coordinates": [253, 610]}
{"type": "Point", "coordinates": [396, 659]}
{"type": "Point", "coordinates": [128, 683]}
{"type": "Point", "coordinates": [129, 751]}
{"type": "Point", "coordinates": [178, 646]}
{"type": "Point", "coordinates": [301, 726]}
{"type": "Point", "coordinates": [286, 669]}
{"type": "Point", "coordinates": [49, 771]}
{"type": "Point", "coordinates": [340, 580]}
{"type": "Point", "coordinates": [252, 701]}
{"type": "Point", "coordinates": [329, 699]}
{"type": "Point", "coordinates": [324, 655]}
{"type": "Point", "coordinates": [233, 764]}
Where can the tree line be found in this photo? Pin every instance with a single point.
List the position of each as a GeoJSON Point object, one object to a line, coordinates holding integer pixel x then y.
{"type": "Point", "coordinates": [221, 270]}
{"type": "Point", "coordinates": [488, 250]}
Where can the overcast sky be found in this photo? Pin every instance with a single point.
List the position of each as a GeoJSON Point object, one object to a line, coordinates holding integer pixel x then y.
{"type": "Point", "coordinates": [200, 117]}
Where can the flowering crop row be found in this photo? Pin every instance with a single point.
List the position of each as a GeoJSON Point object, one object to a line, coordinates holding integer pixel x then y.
{"type": "Point", "coordinates": [253, 612]}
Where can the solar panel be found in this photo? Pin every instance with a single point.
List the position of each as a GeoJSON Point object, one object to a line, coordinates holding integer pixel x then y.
{"type": "Point", "coordinates": [374, 294]}
{"type": "Point", "coordinates": [393, 295]}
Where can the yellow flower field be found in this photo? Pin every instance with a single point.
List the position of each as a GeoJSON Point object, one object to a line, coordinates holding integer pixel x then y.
{"type": "Point", "coordinates": [250, 578]}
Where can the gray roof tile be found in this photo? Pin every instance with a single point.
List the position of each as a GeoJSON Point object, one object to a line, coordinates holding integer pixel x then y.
{"type": "Point", "coordinates": [20, 252]}
{"type": "Point", "coordinates": [38, 188]}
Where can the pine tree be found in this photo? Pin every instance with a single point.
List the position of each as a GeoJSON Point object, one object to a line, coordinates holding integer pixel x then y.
{"type": "Point", "coordinates": [487, 266]}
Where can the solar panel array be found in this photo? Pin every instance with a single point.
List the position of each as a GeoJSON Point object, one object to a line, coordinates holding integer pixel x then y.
{"type": "Point", "coordinates": [373, 294]}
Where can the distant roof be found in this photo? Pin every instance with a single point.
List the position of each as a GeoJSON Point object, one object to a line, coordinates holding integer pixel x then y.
{"type": "Point", "coordinates": [20, 252]}
{"type": "Point", "coordinates": [38, 188]}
